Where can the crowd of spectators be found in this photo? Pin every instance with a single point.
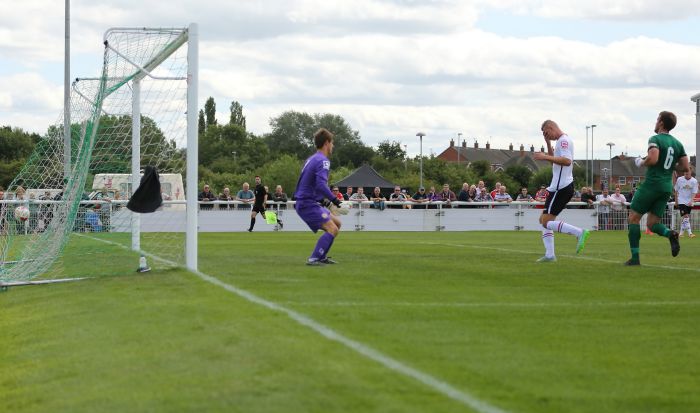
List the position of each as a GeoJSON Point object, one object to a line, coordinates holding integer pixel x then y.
{"type": "Point", "coordinates": [611, 208]}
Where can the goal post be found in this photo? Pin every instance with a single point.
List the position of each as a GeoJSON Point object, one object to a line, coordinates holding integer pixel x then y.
{"type": "Point", "coordinates": [141, 111]}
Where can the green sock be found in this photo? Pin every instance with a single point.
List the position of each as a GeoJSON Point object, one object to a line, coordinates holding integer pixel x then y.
{"type": "Point", "coordinates": [660, 229]}
{"type": "Point", "coordinates": [634, 234]}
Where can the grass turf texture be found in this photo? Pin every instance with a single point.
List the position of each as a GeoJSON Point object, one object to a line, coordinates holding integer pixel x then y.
{"type": "Point", "coordinates": [473, 309]}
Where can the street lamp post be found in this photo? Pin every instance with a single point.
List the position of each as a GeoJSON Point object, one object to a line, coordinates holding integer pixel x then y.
{"type": "Point", "coordinates": [610, 144]}
{"type": "Point", "coordinates": [420, 135]}
{"type": "Point", "coordinates": [587, 127]}
{"type": "Point", "coordinates": [405, 163]}
{"type": "Point", "coordinates": [459, 138]}
{"type": "Point", "coordinates": [592, 155]}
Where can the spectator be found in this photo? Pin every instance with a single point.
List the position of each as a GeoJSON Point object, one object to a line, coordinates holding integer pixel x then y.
{"type": "Point", "coordinates": [524, 196]}
{"type": "Point", "coordinates": [246, 196]}
{"type": "Point", "coordinates": [336, 192]}
{"type": "Point", "coordinates": [398, 196]}
{"type": "Point", "coordinates": [432, 196]}
{"type": "Point", "coordinates": [420, 198]}
{"type": "Point", "coordinates": [541, 195]}
{"type": "Point", "coordinates": [484, 196]}
{"type": "Point", "coordinates": [618, 209]}
{"type": "Point", "coordinates": [464, 195]}
{"type": "Point", "coordinates": [447, 196]}
{"type": "Point", "coordinates": [472, 193]}
{"type": "Point", "coordinates": [206, 196]}
{"type": "Point", "coordinates": [632, 191]}
{"type": "Point", "coordinates": [359, 196]}
{"type": "Point", "coordinates": [496, 190]}
{"type": "Point", "coordinates": [279, 195]}
{"type": "Point", "coordinates": [604, 202]}
{"type": "Point", "coordinates": [348, 193]}
{"type": "Point", "coordinates": [588, 197]}
{"type": "Point", "coordinates": [378, 199]}
{"type": "Point", "coordinates": [480, 187]}
{"type": "Point", "coordinates": [226, 197]}
{"type": "Point", "coordinates": [502, 195]}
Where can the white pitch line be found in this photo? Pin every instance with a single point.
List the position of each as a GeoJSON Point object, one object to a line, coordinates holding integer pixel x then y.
{"type": "Point", "coordinates": [393, 364]}
{"type": "Point", "coordinates": [579, 257]}
{"type": "Point", "coordinates": [601, 304]}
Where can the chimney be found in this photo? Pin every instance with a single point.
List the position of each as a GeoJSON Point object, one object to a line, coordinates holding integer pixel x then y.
{"type": "Point", "coordinates": [464, 144]}
{"type": "Point", "coordinates": [488, 145]}
{"type": "Point", "coordinates": [510, 147]}
{"type": "Point", "coordinates": [452, 143]}
{"type": "Point", "coordinates": [522, 150]}
{"type": "Point", "coordinates": [532, 148]}
{"type": "Point", "coordinates": [476, 144]}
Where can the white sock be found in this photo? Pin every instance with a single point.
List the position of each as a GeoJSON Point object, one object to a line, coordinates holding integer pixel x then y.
{"type": "Point", "coordinates": [548, 241]}
{"type": "Point", "coordinates": [688, 227]}
{"type": "Point", "coordinates": [561, 226]}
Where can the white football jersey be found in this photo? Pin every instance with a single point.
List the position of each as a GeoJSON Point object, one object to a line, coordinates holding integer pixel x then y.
{"type": "Point", "coordinates": [686, 188]}
{"type": "Point", "coordinates": [562, 176]}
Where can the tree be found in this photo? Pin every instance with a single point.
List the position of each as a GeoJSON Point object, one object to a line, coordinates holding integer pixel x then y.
{"type": "Point", "coordinates": [210, 111]}
{"type": "Point", "coordinates": [541, 177]}
{"type": "Point", "coordinates": [237, 117]}
{"type": "Point", "coordinates": [520, 174]}
{"type": "Point", "coordinates": [390, 150]}
{"type": "Point", "coordinates": [292, 133]}
{"type": "Point", "coordinates": [16, 144]}
{"type": "Point", "coordinates": [201, 125]}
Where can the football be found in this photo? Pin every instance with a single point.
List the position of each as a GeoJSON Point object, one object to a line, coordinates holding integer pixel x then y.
{"type": "Point", "coordinates": [22, 213]}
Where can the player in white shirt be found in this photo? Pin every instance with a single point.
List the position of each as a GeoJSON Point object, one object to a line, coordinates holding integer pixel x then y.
{"type": "Point", "coordinates": [560, 190]}
{"type": "Point", "coordinates": [686, 187]}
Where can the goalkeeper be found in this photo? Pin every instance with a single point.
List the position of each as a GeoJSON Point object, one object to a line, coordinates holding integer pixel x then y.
{"type": "Point", "coordinates": [312, 190]}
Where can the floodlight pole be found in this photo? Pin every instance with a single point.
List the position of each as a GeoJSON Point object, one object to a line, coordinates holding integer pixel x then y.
{"type": "Point", "coordinates": [459, 138]}
{"type": "Point", "coordinates": [696, 99]}
{"type": "Point", "coordinates": [420, 135]}
{"type": "Point", "coordinates": [66, 98]}
{"type": "Point", "coordinates": [587, 127]}
{"type": "Point", "coordinates": [592, 156]}
{"type": "Point", "coordinates": [610, 145]}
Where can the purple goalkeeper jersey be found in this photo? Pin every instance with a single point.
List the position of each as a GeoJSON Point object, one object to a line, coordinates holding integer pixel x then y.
{"type": "Point", "coordinates": [313, 181]}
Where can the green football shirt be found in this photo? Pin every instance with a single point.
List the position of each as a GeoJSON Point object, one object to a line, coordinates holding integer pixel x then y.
{"type": "Point", "coordinates": [660, 175]}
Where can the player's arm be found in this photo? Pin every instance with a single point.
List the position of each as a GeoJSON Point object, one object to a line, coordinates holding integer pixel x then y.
{"type": "Point", "coordinates": [322, 188]}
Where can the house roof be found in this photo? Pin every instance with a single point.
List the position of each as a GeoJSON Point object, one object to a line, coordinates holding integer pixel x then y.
{"type": "Point", "coordinates": [365, 176]}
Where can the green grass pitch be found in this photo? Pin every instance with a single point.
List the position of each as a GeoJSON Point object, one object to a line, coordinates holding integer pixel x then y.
{"type": "Point", "coordinates": [471, 311]}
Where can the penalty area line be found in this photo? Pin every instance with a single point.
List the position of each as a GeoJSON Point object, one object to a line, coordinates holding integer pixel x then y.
{"type": "Point", "coordinates": [426, 379]}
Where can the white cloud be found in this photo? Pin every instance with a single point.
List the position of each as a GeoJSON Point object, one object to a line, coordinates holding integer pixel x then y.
{"type": "Point", "coordinates": [637, 10]}
{"type": "Point", "coordinates": [390, 68]}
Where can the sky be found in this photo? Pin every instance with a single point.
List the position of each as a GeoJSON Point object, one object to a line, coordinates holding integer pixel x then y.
{"type": "Point", "coordinates": [490, 70]}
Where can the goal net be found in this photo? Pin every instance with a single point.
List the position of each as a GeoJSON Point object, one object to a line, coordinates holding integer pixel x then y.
{"type": "Point", "coordinates": [55, 224]}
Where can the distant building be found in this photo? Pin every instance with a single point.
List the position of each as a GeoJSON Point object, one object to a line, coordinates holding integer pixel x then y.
{"type": "Point", "coordinates": [624, 171]}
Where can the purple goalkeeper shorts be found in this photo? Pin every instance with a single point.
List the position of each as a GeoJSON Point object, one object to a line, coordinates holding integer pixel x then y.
{"type": "Point", "coordinates": [313, 214]}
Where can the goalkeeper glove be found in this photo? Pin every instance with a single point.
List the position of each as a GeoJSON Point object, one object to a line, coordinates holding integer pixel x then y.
{"type": "Point", "coordinates": [639, 162]}
{"type": "Point", "coordinates": [337, 209]}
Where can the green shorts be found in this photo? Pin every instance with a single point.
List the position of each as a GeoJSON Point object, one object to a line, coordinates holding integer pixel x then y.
{"type": "Point", "coordinates": [646, 200]}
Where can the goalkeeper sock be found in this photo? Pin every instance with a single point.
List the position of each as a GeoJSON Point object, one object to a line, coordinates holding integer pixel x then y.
{"type": "Point", "coordinates": [322, 246]}
{"type": "Point", "coordinates": [660, 229]}
{"type": "Point", "coordinates": [548, 240]}
{"type": "Point", "coordinates": [561, 226]}
{"type": "Point", "coordinates": [633, 235]}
